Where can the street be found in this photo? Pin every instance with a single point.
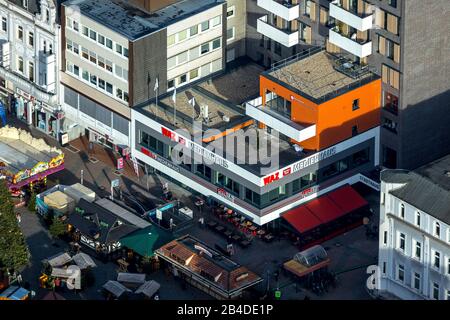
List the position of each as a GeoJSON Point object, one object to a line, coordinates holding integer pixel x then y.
{"type": "Point", "coordinates": [350, 253]}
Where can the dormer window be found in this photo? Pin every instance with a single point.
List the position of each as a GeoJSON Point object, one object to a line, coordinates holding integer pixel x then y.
{"type": "Point", "coordinates": [47, 15]}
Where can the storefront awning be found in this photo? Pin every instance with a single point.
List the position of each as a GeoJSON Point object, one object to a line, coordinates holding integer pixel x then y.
{"type": "Point", "coordinates": [325, 209]}
{"type": "Point", "coordinates": [347, 199]}
{"type": "Point", "coordinates": [302, 219]}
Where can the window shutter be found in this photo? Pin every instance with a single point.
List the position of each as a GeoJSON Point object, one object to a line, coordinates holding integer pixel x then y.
{"type": "Point", "coordinates": [382, 45]}
{"type": "Point", "coordinates": [385, 74]}
{"type": "Point", "coordinates": [396, 53]}
{"type": "Point", "coordinates": [392, 24]}
{"type": "Point", "coordinates": [308, 35]}
{"type": "Point", "coordinates": [313, 11]}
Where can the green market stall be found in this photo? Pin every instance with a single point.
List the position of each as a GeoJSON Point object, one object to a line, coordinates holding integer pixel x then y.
{"type": "Point", "coordinates": [144, 242]}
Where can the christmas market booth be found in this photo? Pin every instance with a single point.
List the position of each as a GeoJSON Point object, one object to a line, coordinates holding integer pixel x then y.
{"type": "Point", "coordinates": [25, 161]}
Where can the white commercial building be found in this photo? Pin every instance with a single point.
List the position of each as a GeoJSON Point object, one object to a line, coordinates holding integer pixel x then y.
{"type": "Point", "coordinates": [29, 44]}
{"type": "Point", "coordinates": [414, 249]}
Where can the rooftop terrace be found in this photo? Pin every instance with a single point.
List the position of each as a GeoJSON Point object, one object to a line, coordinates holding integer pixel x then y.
{"type": "Point", "coordinates": [319, 75]}
{"type": "Point", "coordinates": [134, 23]}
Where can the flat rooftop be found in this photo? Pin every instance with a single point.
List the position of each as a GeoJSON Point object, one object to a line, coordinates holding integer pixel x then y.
{"type": "Point", "coordinates": [279, 151]}
{"type": "Point", "coordinates": [133, 22]}
{"type": "Point", "coordinates": [236, 86]}
{"type": "Point", "coordinates": [224, 104]}
{"type": "Point", "coordinates": [319, 75]}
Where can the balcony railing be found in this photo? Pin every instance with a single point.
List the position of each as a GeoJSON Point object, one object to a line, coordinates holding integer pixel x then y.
{"type": "Point", "coordinates": [351, 16]}
{"type": "Point", "coordinates": [285, 36]}
{"type": "Point", "coordinates": [284, 9]}
{"type": "Point", "coordinates": [358, 47]}
{"type": "Point", "coordinates": [278, 121]}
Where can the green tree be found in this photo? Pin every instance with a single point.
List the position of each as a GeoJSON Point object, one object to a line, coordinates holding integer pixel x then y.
{"type": "Point", "coordinates": [32, 202]}
{"type": "Point", "coordinates": [57, 228]}
{"type": "Point", "coordinates": [13, 248]}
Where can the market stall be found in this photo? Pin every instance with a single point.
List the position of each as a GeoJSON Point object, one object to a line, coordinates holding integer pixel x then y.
{"type": "Point", "coordinates": [60, 203]}
{"type": "Point", "coordinates": [131, 280]}
{"type": "Point", "coordinates": [58, 260]}
{"type": "Point", "coordinates": [25, 160]}
{"type": "Point", "coordinates": [15, 293]}
{"type": "Point", "coordinates": [115, 290]}
{"type": "Point", "coordinates": [310, 268]}
{"type": "Point", "coordinates": [149, 289]}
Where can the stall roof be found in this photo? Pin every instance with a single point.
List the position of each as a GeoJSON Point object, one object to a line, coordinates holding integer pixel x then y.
{"type": "Point", "coordinates": [84, 261]}
{"type": "Point", "coordinates": [146, 241]}
{"type": "Point", "coordinates": [115, 288]}
{"type": "Point", "coordinates": [138, 278]}
{"type": "Point", "coordinates": [59, 260]}
{"type": "Point", "coordinates": [149, 288]}
{"type": "Point", "coordinates": [123, 213]}
{"type": "Point", "coordinates": [61, 273]}
{"type": "Point", "coordinates": [15, 293]}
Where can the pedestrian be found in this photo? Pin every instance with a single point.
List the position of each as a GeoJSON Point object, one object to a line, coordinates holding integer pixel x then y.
{"type": "Point", "coordinates": [19, 218]}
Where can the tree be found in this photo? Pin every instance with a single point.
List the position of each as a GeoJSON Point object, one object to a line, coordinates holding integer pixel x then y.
{"type": "Point", "coordinates": [13, 248]}
{"type": "Point", "coordinates": [32, 202]}
{"type": "Point", "coordinates": [57, 228]}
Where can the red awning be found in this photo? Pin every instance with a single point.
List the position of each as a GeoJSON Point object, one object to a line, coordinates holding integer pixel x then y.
{"type": "Point", "coordinates": [325, 209]}
{"type": "Point", "coordinates": [347, 199]}
{"type": "Point", "coordinates": [302, 219]}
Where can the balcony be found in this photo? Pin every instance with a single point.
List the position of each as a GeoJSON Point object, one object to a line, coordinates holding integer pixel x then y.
{"type": "Point", "coordinates": [283, 9]}
{"type": "Point", "coordinates": [287, 38]}
{"type": "Point", "coordinates": [279, 123]}
{"type": "Point", "coordinates": [361, 22]}
{"type": "Point", "coordinates": [356, 47]}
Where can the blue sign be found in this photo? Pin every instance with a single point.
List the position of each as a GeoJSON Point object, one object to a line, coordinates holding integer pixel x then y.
{"type": "Point", "coordinates": [162, 209]}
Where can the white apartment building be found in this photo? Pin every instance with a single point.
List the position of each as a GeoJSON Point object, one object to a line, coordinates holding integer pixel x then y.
{"type": "Point", "coordinates": [414, 248]}
{"type": "Point", "coordinates": [29, 43]}
{"type": "Point", "coordinates": [117, 55]}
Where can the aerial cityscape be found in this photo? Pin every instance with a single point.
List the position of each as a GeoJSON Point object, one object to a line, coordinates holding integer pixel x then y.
{"type": "Point", "coordinates": [232, 150]}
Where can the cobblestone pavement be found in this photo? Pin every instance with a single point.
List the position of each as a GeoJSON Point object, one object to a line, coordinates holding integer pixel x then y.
{"type": "Point", "coordinates": [350, 253]}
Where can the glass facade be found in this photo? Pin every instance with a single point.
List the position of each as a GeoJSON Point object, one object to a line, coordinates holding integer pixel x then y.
{"type": "Point", "coordinates": [256, 199]}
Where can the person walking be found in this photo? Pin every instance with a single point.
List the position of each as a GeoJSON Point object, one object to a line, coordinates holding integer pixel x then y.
{"type": "Point", "coordinates": [18, 217]}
